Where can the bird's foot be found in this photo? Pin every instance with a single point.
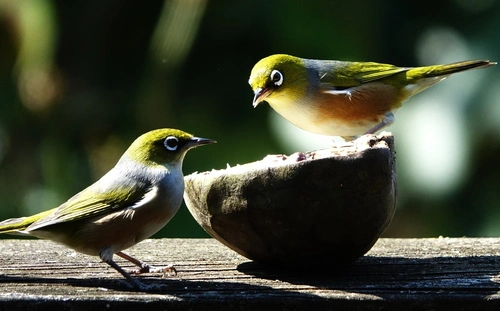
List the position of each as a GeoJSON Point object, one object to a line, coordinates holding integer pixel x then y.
{"type": "Point", "coordinates": [145, 268]}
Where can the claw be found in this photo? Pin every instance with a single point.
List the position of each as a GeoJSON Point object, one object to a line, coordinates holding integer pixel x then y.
{"type": "Point", "coordinates": [145, 268]}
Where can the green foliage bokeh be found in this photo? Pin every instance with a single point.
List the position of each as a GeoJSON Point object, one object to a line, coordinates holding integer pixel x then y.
{"type": "Point", "coordinates": [81, 79]}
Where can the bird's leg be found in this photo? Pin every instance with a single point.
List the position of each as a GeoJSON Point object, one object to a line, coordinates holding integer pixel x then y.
{"type": "Point", "coordinates": [387, 120]}
{"type": "Point", "coordinates": [108, 259]}
{"type": "Point", "coordinates": [145, 268]}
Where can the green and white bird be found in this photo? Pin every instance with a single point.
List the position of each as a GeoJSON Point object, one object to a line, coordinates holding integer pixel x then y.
{"type": "Point", "coordinates": [134, 200]}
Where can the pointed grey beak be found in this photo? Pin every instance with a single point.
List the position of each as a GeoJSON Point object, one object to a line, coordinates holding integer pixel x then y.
{"type": "Point", "coordinates": [260, 95]}
{"type": "Point", "coordinates": [198, 141]}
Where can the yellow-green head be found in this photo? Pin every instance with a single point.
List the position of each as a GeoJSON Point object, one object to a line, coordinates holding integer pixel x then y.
{"type": "Point", "coordinates": [163, 146]}
{"type": "Point", "coordinates": [278, 76]}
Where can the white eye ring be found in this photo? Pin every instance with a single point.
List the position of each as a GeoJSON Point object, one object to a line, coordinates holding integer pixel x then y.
{"type": "Point", "coordinates": [171, 143]}
{"type": "Point", "coordinates": [276, 77]}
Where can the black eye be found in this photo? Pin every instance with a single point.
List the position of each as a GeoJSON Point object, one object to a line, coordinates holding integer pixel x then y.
{"type": "Point", "coordinates": [171, 143]}
{"type": "Point", "coordinates": [276, 77]}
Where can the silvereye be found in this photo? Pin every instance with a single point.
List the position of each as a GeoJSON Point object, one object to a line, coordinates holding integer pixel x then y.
{"type": "Point", "coordinates": [134, 200]}
{"type": "Point", "coordinates": [339, 98]}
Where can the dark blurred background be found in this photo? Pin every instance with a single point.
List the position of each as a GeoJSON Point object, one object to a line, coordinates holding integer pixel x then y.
{"type": "Point", "coordinates": [80, 80]}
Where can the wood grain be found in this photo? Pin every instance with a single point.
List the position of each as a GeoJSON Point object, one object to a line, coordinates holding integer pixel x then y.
{"type": "Point", "coordinates": [397, 274]}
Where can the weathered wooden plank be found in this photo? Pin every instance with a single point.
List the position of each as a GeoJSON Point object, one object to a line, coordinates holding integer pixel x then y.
{"type": "Point", "coordinates": [406, 274]}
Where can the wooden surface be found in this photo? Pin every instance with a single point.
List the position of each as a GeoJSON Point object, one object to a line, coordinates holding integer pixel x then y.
{"type": "Point", "coordinates": [397, 274]}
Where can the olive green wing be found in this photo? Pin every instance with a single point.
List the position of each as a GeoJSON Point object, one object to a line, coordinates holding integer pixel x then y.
{"type": "Point", "coordinates": [91, 203]}
{"type": "Point", "coordinates": [337, 74]}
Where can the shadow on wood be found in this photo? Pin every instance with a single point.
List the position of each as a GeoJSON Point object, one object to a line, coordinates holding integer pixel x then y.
{"type": "Point", "coordinates": [399, 274]}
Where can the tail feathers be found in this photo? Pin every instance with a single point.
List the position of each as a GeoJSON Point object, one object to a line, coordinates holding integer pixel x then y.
{"type": "Point", "coordinates": [420, 78]}
{"type": "Point", "coordinates": [18, 225]}
{"type": "Point", "coordinates": [444, 70]}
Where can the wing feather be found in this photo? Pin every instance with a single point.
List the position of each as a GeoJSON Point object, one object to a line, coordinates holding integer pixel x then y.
{"type": "Point", "coordinates": [340, 75]}
{"type": "Point", "coordinates": [91, 203]}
